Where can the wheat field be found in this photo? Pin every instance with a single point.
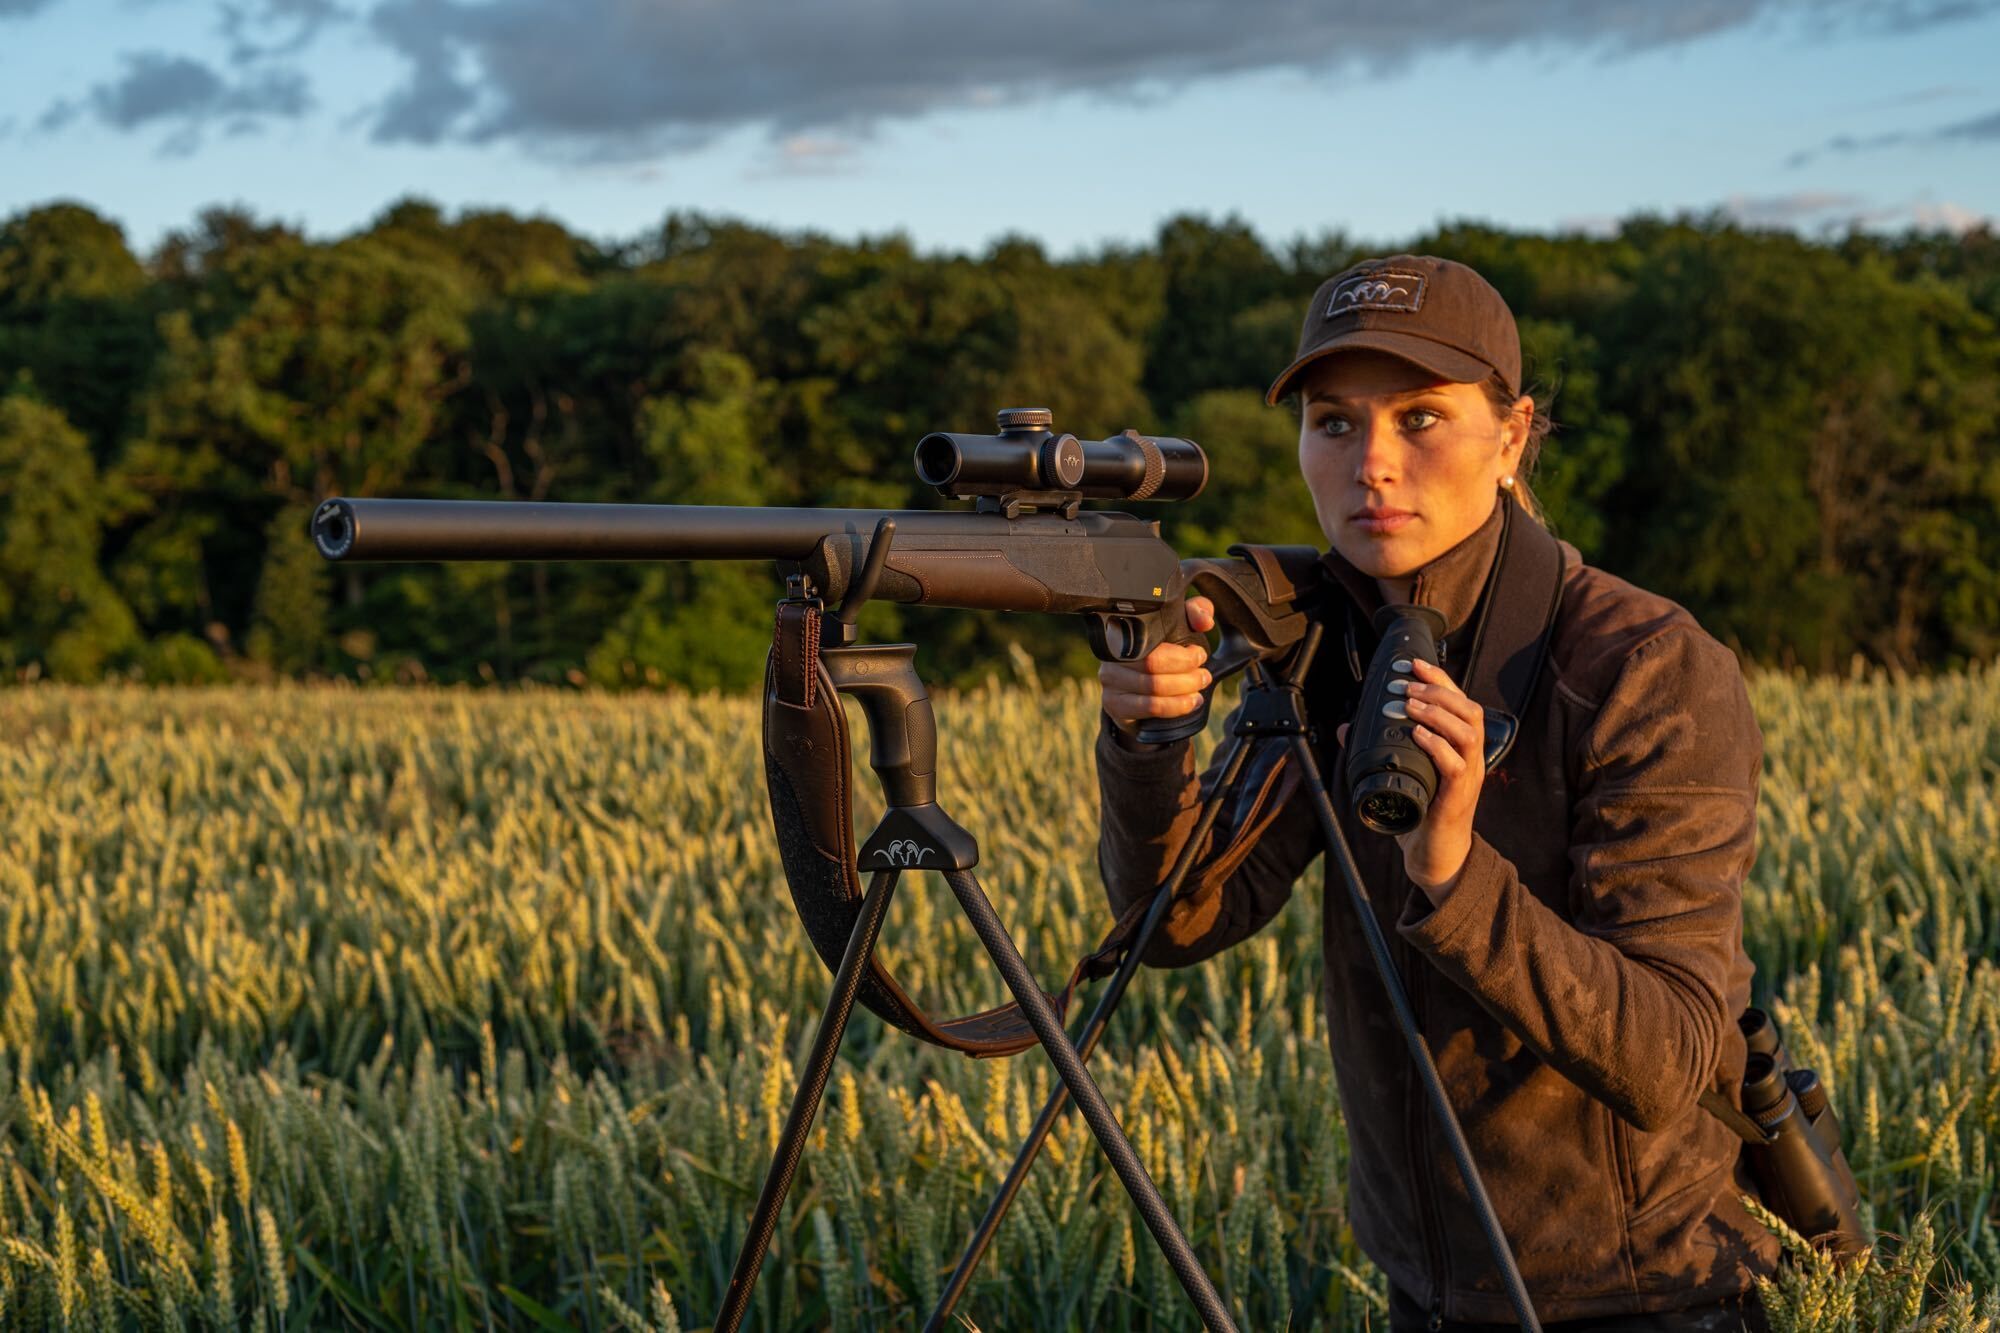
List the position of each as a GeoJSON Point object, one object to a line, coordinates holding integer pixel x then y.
{"type": "Point", "coordinates": [331, 1008]}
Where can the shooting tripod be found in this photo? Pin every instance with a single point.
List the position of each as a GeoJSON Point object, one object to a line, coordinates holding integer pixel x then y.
{"type": "Point", "coordinates": [903, 753]}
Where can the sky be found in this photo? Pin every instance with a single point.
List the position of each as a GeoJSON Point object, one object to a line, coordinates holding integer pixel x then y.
{"type": "Point", "coordinates": [1079, 123]}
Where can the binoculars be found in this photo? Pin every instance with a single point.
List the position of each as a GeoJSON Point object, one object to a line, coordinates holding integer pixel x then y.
{"type": "Point", "coordinates": [1799, 1168]}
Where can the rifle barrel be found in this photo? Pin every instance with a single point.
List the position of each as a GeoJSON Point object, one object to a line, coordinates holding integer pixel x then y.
{"type": "Point", "coordinates": [346, 529]}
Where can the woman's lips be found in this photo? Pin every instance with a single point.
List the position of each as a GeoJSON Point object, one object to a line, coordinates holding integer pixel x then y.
{"type": "Point", "coordinates": [1382, 522]}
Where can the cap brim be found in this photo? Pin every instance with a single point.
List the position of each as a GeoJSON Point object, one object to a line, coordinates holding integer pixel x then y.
{"type": "Point", "coordinates": [1446, 362]}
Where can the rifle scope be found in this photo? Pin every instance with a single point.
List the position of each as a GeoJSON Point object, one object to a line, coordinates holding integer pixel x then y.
{"type": "Point", "coordinates": [1027, 456]}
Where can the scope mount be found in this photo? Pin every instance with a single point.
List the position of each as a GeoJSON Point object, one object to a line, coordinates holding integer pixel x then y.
{"type": "Point", "coordinates": [1059, 456]}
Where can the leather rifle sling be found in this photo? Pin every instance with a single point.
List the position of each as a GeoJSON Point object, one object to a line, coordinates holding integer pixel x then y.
{"type": "Point", "coordinates": [807, 769]}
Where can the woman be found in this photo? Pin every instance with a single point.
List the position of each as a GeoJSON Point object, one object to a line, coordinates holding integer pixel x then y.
{"type": "Point", "coordinates": [1569, 926]}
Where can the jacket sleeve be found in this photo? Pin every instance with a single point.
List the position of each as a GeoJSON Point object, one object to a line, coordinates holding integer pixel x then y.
{"type": "Point", "coordinates": [1149, 801]}
{"type": "Point", "coordinates": [1629, 998]}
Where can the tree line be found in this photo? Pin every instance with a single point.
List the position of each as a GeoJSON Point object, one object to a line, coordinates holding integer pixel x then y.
{"type": "Point", "coordinates": [1794, 438]}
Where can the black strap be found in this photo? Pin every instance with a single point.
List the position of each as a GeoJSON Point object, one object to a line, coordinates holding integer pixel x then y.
{"type": "Point", "coordinates": [1510, 642]}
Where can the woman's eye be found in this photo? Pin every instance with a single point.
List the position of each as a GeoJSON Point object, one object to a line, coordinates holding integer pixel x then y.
{"type": "Point", "coordinates": [1334, 425]}
{"type": "Point", "coordinates": [1420, 418]}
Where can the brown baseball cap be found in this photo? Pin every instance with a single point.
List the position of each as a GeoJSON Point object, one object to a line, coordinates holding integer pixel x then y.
{"type": "Point", "coordinates": [1434, 312]}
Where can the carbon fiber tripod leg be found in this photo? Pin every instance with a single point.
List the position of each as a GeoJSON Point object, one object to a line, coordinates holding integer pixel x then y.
{"type": "Point", "coordinates": [1100, 1016]}
{"type": "Point", "coordinates": [806, 1101]}
{"type": "Point", "coordinates": [1420, 1053]}
{"type": "Point", "coordinates": [1097, 1112]}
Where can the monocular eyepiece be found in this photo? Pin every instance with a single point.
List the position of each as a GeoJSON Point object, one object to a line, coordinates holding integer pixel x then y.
{"type": "Point", "coordinates": [1390, 802]}
{"type": "Point", "coordinates": [1028, 455]}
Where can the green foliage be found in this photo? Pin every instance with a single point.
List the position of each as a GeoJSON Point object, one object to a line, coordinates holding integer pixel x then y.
{"type": "Point", "coordinates": [1800, 441]}
{"type": "Point", "coordinates": [322, 374]}
{"type": "Point", "coordinates": [1583, 461]}
{"type": "Point", "coordinates": [713, 636]}
{"type": "Point", "coordinates": [180, 659]}
{"type": "Point", "coordinates": [441, 1008]}
{"type": "Point", "coordinates": [1231, 311]}
{"type": "Point", "coordinates": [57, 612]}
{"type": "Point", "coordinates": [1815, 440]}
{"type": "Point", "coordinates": [290, 629]}
{"type": "Point", "coordinates": [75, 317]}
{"type": "Point", "coordinates": [1254, 493]}
{"type": "Point", "coordinates": [64, 252]}
{"type": "Point", "coordinates": [712, 446]}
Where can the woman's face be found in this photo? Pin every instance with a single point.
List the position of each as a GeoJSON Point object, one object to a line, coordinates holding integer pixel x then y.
{"type": "Point", "coordinates": [1402, 466]}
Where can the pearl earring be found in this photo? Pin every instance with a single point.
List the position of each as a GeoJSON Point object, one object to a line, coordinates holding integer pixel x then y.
{"type": "Point", "coordinates": [1508, 482]}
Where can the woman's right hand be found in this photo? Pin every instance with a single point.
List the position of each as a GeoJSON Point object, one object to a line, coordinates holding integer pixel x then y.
{"type": "Point", "coordinates": [1166, 683]}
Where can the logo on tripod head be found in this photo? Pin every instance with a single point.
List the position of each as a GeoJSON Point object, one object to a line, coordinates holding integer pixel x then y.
{"type": "Point", "coordinates": [905, 852]}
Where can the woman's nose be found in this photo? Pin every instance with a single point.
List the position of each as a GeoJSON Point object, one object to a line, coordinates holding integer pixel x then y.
{"type": "Point", "coordinates": [1374, 458]}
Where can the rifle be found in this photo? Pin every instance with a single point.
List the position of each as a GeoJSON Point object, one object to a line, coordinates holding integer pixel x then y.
{"type": "Point", "coordinates": [1028, 546]}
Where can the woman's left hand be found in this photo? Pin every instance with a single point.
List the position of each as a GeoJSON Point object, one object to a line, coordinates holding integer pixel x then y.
{"type": "Point", "coordinates": [1452, 731]}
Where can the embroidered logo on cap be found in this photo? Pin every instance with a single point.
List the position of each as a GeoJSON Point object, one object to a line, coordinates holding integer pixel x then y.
{"type": "Point", "coordinates": [1377, 291]}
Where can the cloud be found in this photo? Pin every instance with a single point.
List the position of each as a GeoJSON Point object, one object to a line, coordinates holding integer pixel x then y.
{"type": "Point", "coordinates": [1597, 225]}
{"type": "Point", "coordinates": [425, 107]}
{"type": "Point", "coordinates": [810, 155]}
{"type": "Point", "coordinates": [619, 77]}
{"type": "Point", "coordinates": [1980, 129]}
{"type": "Point", "coordinates": [189, 95]}
{"type": "Point", "coordinates": [10, 9]}
{"type": "Point", "coordinates": [156, 85]}
{"type": "Point", "coordinates": [1947, 216]}
{"type": "Point", "coordinates": [1937, 92]}
{"type": "Point", "coordinates": [1798, 208]}
{"type": "Point", "coordinates": [1914, 15]}
{"type": "Point", "coordinates": [257, 30]}
{"type": "Point", "coordinates": [1831, 212]}
{"type": "Point", "coordinates": [185, 95]}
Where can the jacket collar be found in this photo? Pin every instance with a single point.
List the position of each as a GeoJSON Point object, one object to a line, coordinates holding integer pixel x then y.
{"type": "Point", "coordinates": [1449, 585]}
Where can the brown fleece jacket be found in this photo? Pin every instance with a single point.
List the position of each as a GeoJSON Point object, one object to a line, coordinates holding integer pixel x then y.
{"type": "Point", "coordinates": [1579, 985]}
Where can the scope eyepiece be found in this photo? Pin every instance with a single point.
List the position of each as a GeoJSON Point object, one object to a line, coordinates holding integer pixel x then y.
{"type": "Point", "coordinates": [1028, 456]}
